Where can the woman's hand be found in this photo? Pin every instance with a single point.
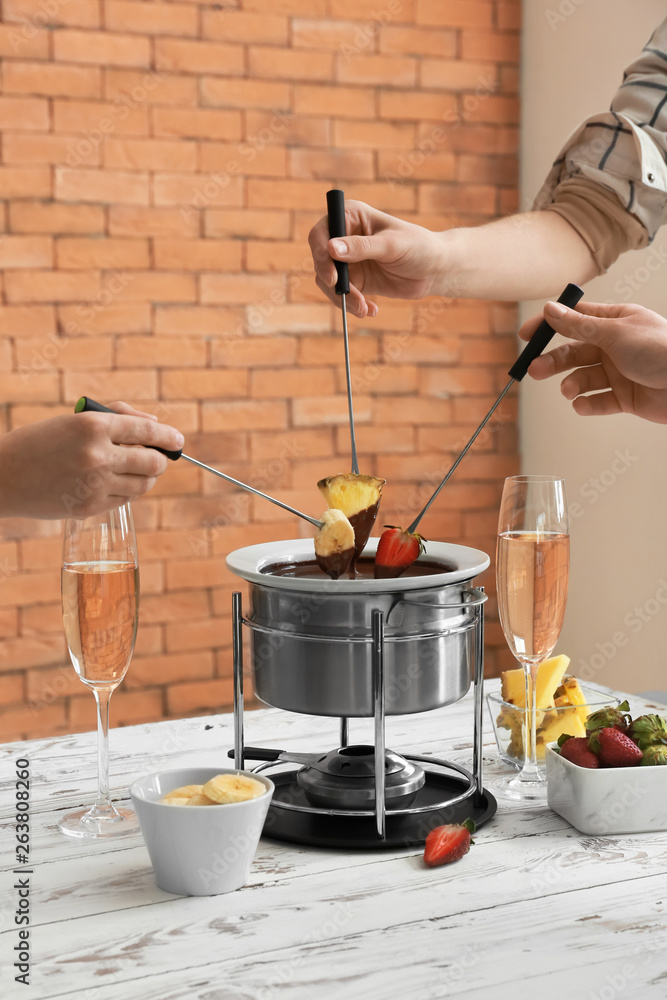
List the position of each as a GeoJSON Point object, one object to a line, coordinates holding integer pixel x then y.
{"type": "Point", "coordinates": [79, 464]}
{"type": "Point", "coordinates": [619, 357]}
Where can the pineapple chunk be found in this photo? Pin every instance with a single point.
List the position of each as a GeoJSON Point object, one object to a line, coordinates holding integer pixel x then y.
{"type": "Point", "coordinates": [351, 492]}
{"type": "Point", "coordinates": [552, 724]}
{"type": "Point", "coordinates": [575, 696]}
{"type": "Point", "coordinates": [549, 694]}
{"type": "Point", "coordinates": [557, 723]}
{"type": "Point", "coordinates": [549, 676]}
{"type": "Point", "coordinates": [567, 712]}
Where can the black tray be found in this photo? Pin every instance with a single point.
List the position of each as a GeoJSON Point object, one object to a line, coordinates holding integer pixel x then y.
{"type": "Point", "coordinates": [340, 831]}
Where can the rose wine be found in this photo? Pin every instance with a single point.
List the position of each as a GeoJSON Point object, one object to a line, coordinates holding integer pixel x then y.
{"type": "Point", "coordinates": [532, 573]}
{"type": "Point", "coordinates": [100, 619]}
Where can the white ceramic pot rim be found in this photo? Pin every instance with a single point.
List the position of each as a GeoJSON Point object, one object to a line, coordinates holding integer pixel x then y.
{"type": "Point", "coordinates": [248, 563]}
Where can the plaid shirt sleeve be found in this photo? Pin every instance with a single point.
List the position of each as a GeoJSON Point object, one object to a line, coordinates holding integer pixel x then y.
{"type": "Point", "coordinates": [625, 149]}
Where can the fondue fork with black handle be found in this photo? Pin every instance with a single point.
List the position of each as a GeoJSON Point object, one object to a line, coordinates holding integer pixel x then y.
{"type": "Point", "coordinates": [537, 343]}
{"type": "Point", "coordinates": [87, 404]}
{"type": "Point", "coordinates": [336, 213]}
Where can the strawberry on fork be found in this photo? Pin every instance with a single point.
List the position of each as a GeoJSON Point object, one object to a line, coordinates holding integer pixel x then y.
{"type": "Point", "coordinates": [397, 549]}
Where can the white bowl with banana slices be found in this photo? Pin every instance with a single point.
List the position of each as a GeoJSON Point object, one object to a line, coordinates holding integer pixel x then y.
{"type": "Point", "coordinates": [201, 826]}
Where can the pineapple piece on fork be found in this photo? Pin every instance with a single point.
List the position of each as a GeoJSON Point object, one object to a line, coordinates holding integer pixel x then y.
{"type": "Point", "coordinates": [358, 497]}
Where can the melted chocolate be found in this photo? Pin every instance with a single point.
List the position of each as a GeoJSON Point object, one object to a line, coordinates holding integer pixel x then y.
{"type": "Point", "coordinates": [335, 564]}
{"type": "Point", "coordinates": [362, 522]}
{"type": "Point", "coordinates": [308, 568]}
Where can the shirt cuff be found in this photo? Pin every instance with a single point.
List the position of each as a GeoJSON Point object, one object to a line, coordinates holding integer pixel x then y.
{"type": "Point", "coordinates": [597, 215]}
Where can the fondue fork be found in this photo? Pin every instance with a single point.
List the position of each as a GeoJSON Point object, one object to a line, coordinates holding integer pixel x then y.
{"type": "Point", "coordinates": [86, 403]}
{"type": "Point", "coordinates": [336, 212]}
{"type": "Point", "coordinates": [532, 350]}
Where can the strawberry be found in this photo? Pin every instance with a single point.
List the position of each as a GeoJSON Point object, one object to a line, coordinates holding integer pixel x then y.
{"type": "Point", "coordinates": [614, 748]}
{"type": "Point", "coordinates": [648, 730]}
{"type": "Point", "coordinates": [448, 843]}
{"type": "Point", "coordinates": [397, 549]}
{"type": "Point", "coordinates": [576, 750]}
{"type": "Point", "coordinates": [654, 756]}
{"type": "Point", "coordinates": [604, 718]}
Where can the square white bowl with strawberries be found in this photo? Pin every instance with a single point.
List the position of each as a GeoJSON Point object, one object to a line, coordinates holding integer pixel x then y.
{"type": "Point", "coordinates": [607, 800]}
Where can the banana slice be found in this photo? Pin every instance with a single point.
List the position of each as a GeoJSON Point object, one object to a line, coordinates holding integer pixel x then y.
{"type": "Point", "coordinates": [176, 800]}
{"type": "Point", "coordinates": [334, 543]}
{"type": "Point", "coordinates": [184, 792]}
{"type": "Point", "coordinates": [232, 788]}
{"type": "Point", "coordinates": [200, 800]}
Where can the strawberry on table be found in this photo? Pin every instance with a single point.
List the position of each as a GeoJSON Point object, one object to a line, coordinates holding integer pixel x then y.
{"type": "Point", "coordinates": [397, 549]}
{"type": "Point", "coordinates": [576, 750]}
{"type": "Point", "coordinates": [614, 748]}
{"type": "Point", "coordinates": [448, 843]}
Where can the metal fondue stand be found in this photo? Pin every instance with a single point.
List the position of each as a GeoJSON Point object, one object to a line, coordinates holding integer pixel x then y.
{"type": "Point", "coordinates": [305, 822]}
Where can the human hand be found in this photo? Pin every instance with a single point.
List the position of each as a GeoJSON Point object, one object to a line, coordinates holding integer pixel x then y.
{"type": "Point", "coordinates": [79, 464]}
{"type": "Point", "coordinates": [386, 256]}
{"type": "Point", "coordinates": [619, 354]}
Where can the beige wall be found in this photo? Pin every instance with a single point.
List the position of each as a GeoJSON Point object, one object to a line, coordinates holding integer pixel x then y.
{"type": "Point", "coordinates": [572, 65]}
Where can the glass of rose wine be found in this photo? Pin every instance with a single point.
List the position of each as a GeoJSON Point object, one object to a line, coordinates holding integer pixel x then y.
{"type": "Point", "coordinates": [532, 566]}
{"type": "Point", "coordinates": [100, 593]}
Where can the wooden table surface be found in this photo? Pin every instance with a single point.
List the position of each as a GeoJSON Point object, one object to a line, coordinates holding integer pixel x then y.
{"type": "Point", "coordinates": [571, 916]}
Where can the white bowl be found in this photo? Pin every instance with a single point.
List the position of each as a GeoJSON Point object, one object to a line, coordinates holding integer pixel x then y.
{"type": "Point", "coordinates": [607, 800]}
{"type": "Point", "coordinates": [199, 850]}
{"type": "Point", "coordinates": [249, 562]}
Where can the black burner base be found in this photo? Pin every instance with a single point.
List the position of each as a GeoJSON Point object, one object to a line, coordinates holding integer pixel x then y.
{"type": "Point", "coordinates": [322, 829]}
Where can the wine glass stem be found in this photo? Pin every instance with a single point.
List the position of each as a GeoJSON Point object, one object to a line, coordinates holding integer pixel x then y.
{"type": "Point", "coordinates": [102, 698]}
{"type": "Point", "coordinates": [530, 770]}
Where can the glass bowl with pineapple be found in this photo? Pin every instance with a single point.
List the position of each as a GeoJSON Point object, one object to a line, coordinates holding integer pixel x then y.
{"type": "Point", "coordinates": [563, 704]}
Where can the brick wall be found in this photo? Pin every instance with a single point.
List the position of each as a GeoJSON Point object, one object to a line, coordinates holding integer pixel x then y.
{"type": "Point", "coordinates": [161, 165]}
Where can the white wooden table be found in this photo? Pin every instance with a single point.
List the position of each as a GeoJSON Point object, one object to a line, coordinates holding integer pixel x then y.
{"type": "Point", "coordinates": [571, 916]}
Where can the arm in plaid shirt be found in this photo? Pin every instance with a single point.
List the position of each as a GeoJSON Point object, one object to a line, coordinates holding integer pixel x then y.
{"type": "Point", "coordinates": [610, 179]}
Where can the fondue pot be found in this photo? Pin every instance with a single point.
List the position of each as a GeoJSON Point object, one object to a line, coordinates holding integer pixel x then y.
{"type": "Point", "coordinates": [359, 648]}
{"type": "Point", "coordinates": [311, 637]}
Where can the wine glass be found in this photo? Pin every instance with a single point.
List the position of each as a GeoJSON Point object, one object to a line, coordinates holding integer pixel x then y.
{"type": "Point", "coordinates": [532, 565]}
{"type": "Point", "coordinates": [100, 591]}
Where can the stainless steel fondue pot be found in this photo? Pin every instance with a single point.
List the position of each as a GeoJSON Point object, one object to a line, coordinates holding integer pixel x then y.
{"type": "Point", "coordinates": [311, 638]}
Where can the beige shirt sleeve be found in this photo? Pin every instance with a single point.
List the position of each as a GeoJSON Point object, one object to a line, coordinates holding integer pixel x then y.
{"type": "Point", "coordinates": [610, 179]}
{"type": "Point", "coordinates": [596, 213]}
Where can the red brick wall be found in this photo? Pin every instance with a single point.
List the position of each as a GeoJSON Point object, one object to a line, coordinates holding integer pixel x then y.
{"type": "Point", "coordinates": [161, 165]}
